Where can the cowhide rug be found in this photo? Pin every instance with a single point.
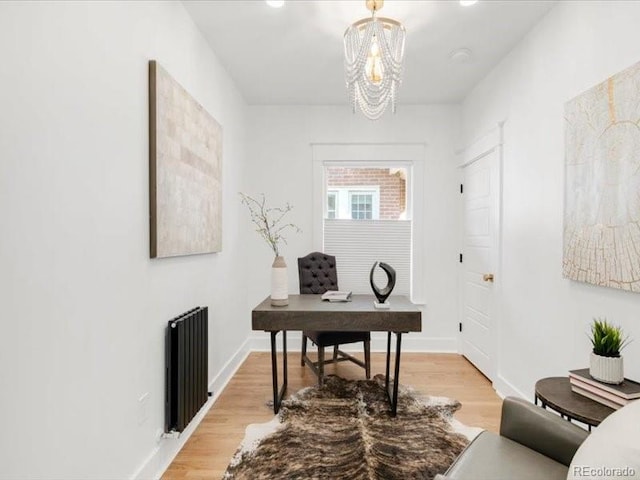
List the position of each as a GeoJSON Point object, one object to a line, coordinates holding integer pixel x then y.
{"type": "Point", "coordinates": [343, 430]}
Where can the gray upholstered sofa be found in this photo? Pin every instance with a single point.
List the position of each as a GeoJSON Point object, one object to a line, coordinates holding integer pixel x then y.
{"type": "Point", "coordinates": [535, 444]}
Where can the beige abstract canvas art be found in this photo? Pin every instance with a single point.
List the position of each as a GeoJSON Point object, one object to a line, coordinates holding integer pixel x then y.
{"type": "Point", "coordinates": [602, 191]}
{"type": "Point", "coordinates": [185, 171]}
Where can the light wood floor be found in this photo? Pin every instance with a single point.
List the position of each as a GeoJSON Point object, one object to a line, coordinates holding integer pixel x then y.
{"type": "Point", "coordinates": [208, 451]}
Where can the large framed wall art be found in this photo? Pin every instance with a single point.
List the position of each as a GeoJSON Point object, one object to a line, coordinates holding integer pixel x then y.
{"type": "Point", "coordinates": [185, 171]}
{"type": "Point", "coordinates": [602, 189]}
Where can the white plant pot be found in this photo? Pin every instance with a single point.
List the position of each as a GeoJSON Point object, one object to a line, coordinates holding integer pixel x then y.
{"type": "Point", "coordinates": [279, 283]}
{"type": "Point", "coordinates": [607, 369]}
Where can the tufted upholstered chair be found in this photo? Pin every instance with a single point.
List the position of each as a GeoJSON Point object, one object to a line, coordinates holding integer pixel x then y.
{"type": "Point", "coordinates": [318, 273]}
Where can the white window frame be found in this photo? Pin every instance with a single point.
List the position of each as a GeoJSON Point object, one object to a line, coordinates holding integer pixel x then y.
{"type": "Point", "coordinates": [379, 155]}
{"type": "Point", "coordinates": [375, 212]}
{"type": "Point", "coordinates": [336, 206]}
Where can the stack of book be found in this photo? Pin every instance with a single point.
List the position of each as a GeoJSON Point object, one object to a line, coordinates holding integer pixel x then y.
{"type": "Point", "coordinates": [614, 396]}
{"type": "Point", "coordinates": [336, 296]}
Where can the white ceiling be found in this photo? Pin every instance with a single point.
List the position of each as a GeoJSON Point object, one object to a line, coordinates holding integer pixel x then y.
{"type": "Point", "coordinates": [293, 55]}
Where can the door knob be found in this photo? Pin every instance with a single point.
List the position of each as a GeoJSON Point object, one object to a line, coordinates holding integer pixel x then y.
{"type": "Point", "coordinates": [488, 277]}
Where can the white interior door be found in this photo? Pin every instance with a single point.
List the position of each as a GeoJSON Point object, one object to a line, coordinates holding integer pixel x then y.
{"type": "Point", "coordinates": [481, 196]}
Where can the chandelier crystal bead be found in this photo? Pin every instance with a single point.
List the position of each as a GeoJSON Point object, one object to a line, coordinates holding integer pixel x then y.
{"type": "Point", "coordinates": [373, 55]}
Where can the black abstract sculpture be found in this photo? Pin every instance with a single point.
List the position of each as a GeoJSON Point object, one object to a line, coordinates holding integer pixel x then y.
{"type": "Point", "coordinates": [383, 294]}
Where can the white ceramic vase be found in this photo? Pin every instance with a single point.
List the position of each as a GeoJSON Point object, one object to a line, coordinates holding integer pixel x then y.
{"type": "Point", "coordinates": [607, 369]}
{"type": "Point", "coordinates": [279, 283]}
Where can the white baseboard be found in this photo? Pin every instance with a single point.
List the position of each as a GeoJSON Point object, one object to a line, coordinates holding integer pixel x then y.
{"type": "Point", "coordinates": [505, 389]}
{"type": "Point", "coordinates": [261, 342]}
{"type": "Point", "coordinates": [159, 460]}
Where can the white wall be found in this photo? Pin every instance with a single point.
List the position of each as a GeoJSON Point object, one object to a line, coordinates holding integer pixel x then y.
{"type": "Point", "coordinates": [280, 165]}
{"type": "Point", "coordinates": [546, 317]}
{"type": "Point", "coordinates": [83, 308]}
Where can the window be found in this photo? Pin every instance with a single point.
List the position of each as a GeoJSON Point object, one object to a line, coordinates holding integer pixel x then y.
{"type": "Point", "coordinates": [368, 207]}
{"type": "Point", "coordinates": [361, 205]}
{"type": "Point", "coordinates": [332, 203]}
{"type": "Point", "coordinates": [366, 221]}
{"type": "Point", "coordinates": [359, 193]}
{"type": "Point", "coordinates": [353, 202]}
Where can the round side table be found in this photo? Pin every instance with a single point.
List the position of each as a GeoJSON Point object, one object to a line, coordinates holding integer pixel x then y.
{"type": "Point", "coordinates": [555, 393]}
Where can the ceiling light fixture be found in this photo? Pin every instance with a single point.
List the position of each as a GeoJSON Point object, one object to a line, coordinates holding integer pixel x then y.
{"type": "Point", "coordinates": [275, 3]}
{"type": "Point", "coordinates": [373, 53]}
{"type": "Point", "coordinates": [460, 56]}
{"type": "Point", "coordinates": [468, 3]}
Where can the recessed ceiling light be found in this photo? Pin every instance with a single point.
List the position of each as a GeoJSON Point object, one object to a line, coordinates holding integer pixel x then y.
{"type": "Point", "coordinates": [461, 56]}
{"type": "Point", "coordinates": [468, 3]}
{"type": "Point", "coordinates": [275, 3]}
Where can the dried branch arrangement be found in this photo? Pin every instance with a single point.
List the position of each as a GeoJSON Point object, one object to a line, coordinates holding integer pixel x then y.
{"type": "Point", "coordinates": [269, 221]}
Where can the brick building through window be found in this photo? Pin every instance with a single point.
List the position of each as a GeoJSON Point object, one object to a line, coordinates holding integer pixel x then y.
{"type": "Point", "coordinates": [366, 193]}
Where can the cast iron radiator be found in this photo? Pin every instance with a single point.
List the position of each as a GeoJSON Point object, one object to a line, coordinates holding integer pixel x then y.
{"type": "Point", "coordinates": [186, 368]}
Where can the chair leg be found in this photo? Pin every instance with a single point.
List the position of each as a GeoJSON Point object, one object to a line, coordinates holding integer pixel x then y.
{"type": "Point", "coordinates": [367, 359]}
{"type": "Point", "coordinates": [304, 349]}
{"type": "Point", "coordinates": [335, 353]}
{"type": "Point", "coordinates": [320, 365]}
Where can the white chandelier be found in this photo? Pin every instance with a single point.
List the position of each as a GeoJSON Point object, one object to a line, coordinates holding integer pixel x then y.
{"type": "Point", "coordinates": [373, 53]}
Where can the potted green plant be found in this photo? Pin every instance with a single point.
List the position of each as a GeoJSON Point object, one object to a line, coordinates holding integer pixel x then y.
{"type": "Point", "coordinates": [606, 361]}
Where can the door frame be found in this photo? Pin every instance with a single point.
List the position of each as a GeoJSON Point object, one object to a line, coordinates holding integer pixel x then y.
{"type": "Point", "coordinates": [492, 141]}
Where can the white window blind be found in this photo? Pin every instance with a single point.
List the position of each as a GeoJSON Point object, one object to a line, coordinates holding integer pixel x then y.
{"type": "Point", "coordinates": [358, 244]}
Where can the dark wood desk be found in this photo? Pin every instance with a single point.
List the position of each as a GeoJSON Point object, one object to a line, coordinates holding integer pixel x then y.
{"type": "Point", "coordinates": [555, 393]}
{"type": "Point", "coordinates": [309, 312]}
